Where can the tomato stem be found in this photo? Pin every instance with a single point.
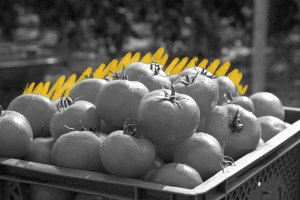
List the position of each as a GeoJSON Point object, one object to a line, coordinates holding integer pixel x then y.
{"type": "Point", "coordinates": [64, 103]}
{"type": "Point", "coordinates": [82, 128]}
{"type": "Point", "coordinates": [132, 129]}
{"type": "Point", "coordinates": [172, 98]}
{"type": "Point", "coordinates": [72, 129]}
{"type": "Point", "coordinates": [236, 125]}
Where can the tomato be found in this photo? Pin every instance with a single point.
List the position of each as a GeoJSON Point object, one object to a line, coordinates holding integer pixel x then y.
{"type": "Point", "coordinates": [37, 109]}
{"type": "Point", "coordinates": [260, 143]}
{"type": "Point", "coordinates": [40, 150]}
{"type": "Point", "coordinates": [238, 128]}
{"type": "Point", "coordinates": [155, 66]}
{"type": "Point", "coordinates": [266, 103]}
{"type": "Point", "coordinates": [150, 75]}
{"type": "Point", "coordinates": [202, 152]}
{"type": "Point", "coordinates": [15, 134]}
{"type": "Point", "coordinates": [191, 71]}
{"type": "Point", "coordinates": [173, 78]}
{"type": "Point", "coordinates": [74, 116]}
{"type": "Point", "coordinates": [87, 89]}
{"type": "Point", "coordinates": [78, 150]}
{"type": "Point", "coordinates": [39, 192]}
{"type": "Point", "coordinates": [169, 118]}
{"type": "Point", "coordinates": [158, 162]}
{"type": "Point", "coordinates": [225, 84]}
{"type": "Point", "coordinates": [155, 81]}
{"type": "Point", "coordinates": [270, 126]}
{"type": "Point", "coordinates": [136, 70]}
{"type": "Point", "coordinates": [242, 101]}
{"type": "Point", "coordinates": [202, 89]}
{"type": "Point", "coordinates": [119, 100]}
{"type": "Point", "coordinates": [177, 175]}
{"type": "Point", "coordinates": [124, 153]}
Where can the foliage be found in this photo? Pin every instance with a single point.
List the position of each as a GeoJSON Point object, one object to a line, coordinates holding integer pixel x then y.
{"type": "Point", "coordinates": [196, 27]}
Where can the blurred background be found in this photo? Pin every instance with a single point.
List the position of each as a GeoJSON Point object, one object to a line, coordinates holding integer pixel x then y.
{"type": "Point", "coordinates": [40, 40]}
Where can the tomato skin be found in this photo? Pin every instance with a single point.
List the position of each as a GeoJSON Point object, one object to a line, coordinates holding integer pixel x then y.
{"type": "Point", "coordinates": [244, 102]}
{"type": "Point", "coordinates": [203, 90]}
{"type": "Point", "coordinates": [37, 109]}
{"type": "Point", "coordinates": [173, 78]}
{"type": "Point", "coordinates": [266, 103]}
{"type": "Point", "coordinates": [15, 135]}
{"type": "Point", "coordinates": [118, 100]}
{"type": "Point", "coordinates": [78, 150]}
{"type": "Point", "coordinates": [177, 175]}
{"type": "Point", "coordinates": [82, 112]}
{"type": "Point", "coordinates": [153, 78]}
{"type": "Point", "coordinates": [155, 82]}
{"type": "Point", "coordinates": [136, 70]}
{"type": "Point", "coordinates": [87, 89]}
{"type": "Point", "coordinates": [166, 123]}
{"type": "Point", "coordinates": [158, 162]}
{"type": "Point", "coordinates": [225, 84]}
{"type": "Point", "coordinates": [237, 144]}
{"type": "Point", "coordinates": [193, 70]}
{"type": "Point", "coordinates": [271, 126]}
{"type": "Point", "coordinates": [40, 150]}
{"type": "Point", "coordinates": [127, 156]}
{"type": "Point", "coordinates": [260, 143]}
{"type": "Point", "coordinates": [202, 152]}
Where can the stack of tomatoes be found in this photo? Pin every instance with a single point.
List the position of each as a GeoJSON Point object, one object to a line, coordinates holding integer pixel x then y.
{"type": "Point", "coordinates": [174, 130]}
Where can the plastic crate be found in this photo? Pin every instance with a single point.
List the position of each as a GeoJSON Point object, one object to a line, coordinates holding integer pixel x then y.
{"type": "Point", "coordinates": [271, 172]}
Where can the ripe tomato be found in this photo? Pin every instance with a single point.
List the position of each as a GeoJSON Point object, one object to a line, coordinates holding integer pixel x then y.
{"type": "Point", "coordinates": [39, 192]}
{"type": "Point", "coordinates": [125, 153]}
{"type": "Point", "coordinates": [118, 100]}
{"type": "Point", "coordinates": [191, 71]}
{"type": "Point", "coordinates": [260, 143]}
{"type": "Point", "coordinates": [87, 89]}
{"type": "Point", "coordinates": [242, 101]}
{"type": "Point", "coordinates": [136, 70]}
{"type": "Point", "coordinates": [74, 116]}
{"type": "Point", "coordinates": [158, 162]}
{"type": "Point", "coordinates": [202, 152]}
{"type": "Point", "coordinates": [169, 118]}
{"type": "Point", "coordinates": [225, 84]}
{"type": "Point", "coordinates": [37, 109]}
{"type": "Point", "coordinates": [177, 175]}
{"type": "Point", "coordinates": [266, 103]}
{"type": "Point", "coordinates": [150, 75]}
{"type": "Point", "coordinates": [78, 150]}
{"type": "Point", "coordinates": [202, 89]}
{"type": "Point", "coordinates": [40, 151]}
{"type": "Point", "coordinates": [238, 128]}
{"type": "Point", "coordinates": [270, 126]}
{"type": "Point", "coordinates": [15, 134]}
